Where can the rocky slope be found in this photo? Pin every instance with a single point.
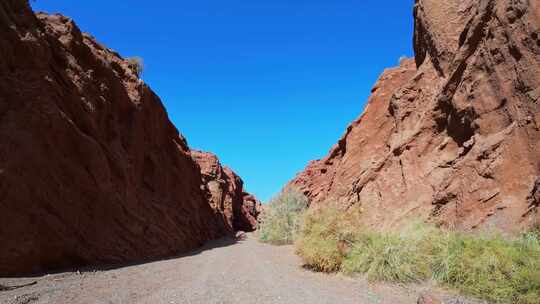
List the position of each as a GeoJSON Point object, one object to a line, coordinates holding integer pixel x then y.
{"type": "Point", "coordinates": [238, 209]}
{"type": "Point", "coordinates": [91, 169]}
{"type": "Point", "coordinates": [452, 136]}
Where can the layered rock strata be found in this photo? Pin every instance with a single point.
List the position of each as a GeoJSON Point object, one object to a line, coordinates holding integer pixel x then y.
{"type": "Point", "coordinates": [92, 171]}
{"type": "Point", "coordinates": [451, 136]}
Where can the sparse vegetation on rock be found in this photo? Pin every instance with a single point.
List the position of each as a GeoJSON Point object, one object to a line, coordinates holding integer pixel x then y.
{"type": "Point", "coordinates": [136, 64]}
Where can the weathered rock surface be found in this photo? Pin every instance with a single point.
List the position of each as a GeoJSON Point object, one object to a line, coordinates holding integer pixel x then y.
{"type": "Point", "coordinates": [226, 194]}
{"type": "Point", "coordinates": [91, 169]}
{"type": "Point", "coordinates": [453, 136]}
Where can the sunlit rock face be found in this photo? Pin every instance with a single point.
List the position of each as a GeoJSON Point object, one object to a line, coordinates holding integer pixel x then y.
{"type": "Point", "coordinates": [452, 136]}
{"type": "Point", "coordinates": [237, 208]}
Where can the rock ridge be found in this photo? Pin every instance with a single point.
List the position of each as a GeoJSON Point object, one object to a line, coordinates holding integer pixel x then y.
{"type": "Point", "coordinates": [451, 136]}
{"type": "Point", "coordinates": [92, 171]}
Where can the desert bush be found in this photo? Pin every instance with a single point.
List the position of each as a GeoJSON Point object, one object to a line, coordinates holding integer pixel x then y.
{"type": "Point", "coordinates": [325, 237]}
{"type": "Point", "coordinates": [136, 65]}
{"type": "Point", "coordinates": [281, 219]}
{"type": "Point", "coordinates": [487, 266]}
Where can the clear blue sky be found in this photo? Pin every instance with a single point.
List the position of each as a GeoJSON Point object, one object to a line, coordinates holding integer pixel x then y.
{"type": "Point", "coordinates": [266, 85]}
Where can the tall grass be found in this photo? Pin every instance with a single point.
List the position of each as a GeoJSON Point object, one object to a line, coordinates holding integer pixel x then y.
{"type": "Point", "coordinates": [487, 266]}
{"type": "Point", "coordinates": [281, 219]}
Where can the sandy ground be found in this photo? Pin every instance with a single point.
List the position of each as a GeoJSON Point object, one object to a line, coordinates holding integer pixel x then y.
{"type": "Point", "coordinates": [224, 271]}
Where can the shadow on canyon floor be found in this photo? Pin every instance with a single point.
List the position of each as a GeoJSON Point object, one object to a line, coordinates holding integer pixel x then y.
{"type": "Point", "coordinates": [214, 244]}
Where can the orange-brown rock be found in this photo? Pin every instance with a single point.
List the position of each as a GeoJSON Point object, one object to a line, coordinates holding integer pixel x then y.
{"type": "Point", "coordinates": [226, 194]}
{"type": "Point", "coordinates": [452, 136]}
{"type": "Point", "coordinates": [91, 169]}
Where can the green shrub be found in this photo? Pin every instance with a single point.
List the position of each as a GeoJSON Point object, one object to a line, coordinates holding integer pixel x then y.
{"type": "Point", "coordinates": [281, 219]}
{"type": "Point", "coordinates": [387, 258]}
{"type": "Point", "coordinates": [136, 65]}
{"type": "Point", "coordinates": [491, 267]}
{"type": "Point", "coordinates": [486, 266]}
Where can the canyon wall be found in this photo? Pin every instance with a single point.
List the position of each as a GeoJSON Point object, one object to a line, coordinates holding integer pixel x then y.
{"type": "Point", "coordinates": [451, 136]}
{"type": "Point", "coordinates": [238, 209]}
{"type": "Point", "coordinates": [92, 171]}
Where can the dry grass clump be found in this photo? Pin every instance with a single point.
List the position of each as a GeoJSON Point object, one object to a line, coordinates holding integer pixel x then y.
{"type": "Point", "coordinates": [136, 65]}
{"type": "Point", "coordinates": [326, 234]}
{"type": "Point", "coordinates": [487, 266]}
{"type": "Point", "coordinates": [401, 258]}
{"type": "Point", "coordinates": [490, 266]}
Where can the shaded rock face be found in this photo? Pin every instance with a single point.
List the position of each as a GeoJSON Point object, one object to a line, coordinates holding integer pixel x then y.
{"type": "Point", "coordinates": [226, 194]}
{"type": "Point", "coordinates": [452, 136]}
{"type": "Point", "coordinates": [91, 169]}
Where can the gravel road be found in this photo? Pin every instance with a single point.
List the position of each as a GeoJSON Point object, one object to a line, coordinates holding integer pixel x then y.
{"type": "Point", "coordinates": [224, 271]}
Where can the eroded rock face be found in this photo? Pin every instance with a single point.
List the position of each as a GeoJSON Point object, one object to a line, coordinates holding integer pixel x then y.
{"type": "Point", "coordinates": [452, 136]}
{"type": "Point", "coordinates": [91, 169]}
{"type": "Point", "coordinates": [226, 194]}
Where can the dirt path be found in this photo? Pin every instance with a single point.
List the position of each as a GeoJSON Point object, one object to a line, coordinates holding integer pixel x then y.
{"type": "Point", "coordinates": [224, 271]}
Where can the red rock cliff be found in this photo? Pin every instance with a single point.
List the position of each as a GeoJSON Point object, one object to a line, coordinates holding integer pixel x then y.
{"type": "Point", "coordinates": [226, 194]}
{"type": "Point", "coordinates": [91, 169]}
{"type": "Point", "coordinates": [453, 136]}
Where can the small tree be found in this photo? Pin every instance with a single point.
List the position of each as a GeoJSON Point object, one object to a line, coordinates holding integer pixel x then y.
{"type": "Point", "coordinates": [136, 65]}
